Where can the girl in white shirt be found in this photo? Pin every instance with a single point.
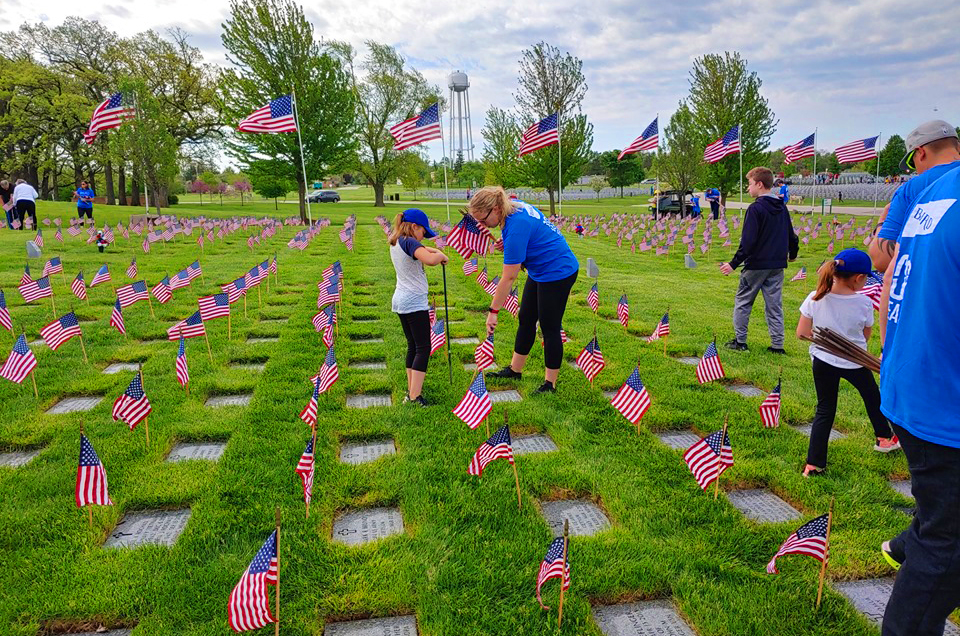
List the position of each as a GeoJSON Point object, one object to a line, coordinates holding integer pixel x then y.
{"type": "Point", "coordinates": [836, 305]}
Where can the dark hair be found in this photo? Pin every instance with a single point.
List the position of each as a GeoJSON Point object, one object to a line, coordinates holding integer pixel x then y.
{"type": "Point", "coordinates": [762, 175]}
{"type": "Point", "coordinates": [827, 272]}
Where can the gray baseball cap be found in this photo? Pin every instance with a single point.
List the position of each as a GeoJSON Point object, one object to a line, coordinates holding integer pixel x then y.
{"type": "Point", "coordinates": [922, 135]}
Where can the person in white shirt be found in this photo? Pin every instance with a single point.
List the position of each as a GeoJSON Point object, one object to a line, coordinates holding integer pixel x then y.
{"type": "Point", "coordinates": [24, 198]}
{"type": "Point", "coordinates": [835, 304]}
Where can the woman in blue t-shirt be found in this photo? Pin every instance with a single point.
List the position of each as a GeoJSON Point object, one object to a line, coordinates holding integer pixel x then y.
{"type": "Point", "coordinates": [532, 242]}
{"type": "Point", "coordinates": [85, 201]}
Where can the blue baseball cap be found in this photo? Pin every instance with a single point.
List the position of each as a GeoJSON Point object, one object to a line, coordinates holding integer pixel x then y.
{"type": "Point", "coordinates": [416, 215]}
{"type": "Point", "coordinates": [853, 261]}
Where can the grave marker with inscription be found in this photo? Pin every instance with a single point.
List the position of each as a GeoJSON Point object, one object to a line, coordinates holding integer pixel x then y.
{"type": "Point", "coordinates": [15, 459]}
{"type": "Point", "coordinates": [363, 452]}
{"type": "Point", "coordinates": [646, 618]}
{"type": "Point", "coordinates": [210, 451]}
{"type": "Point", "coordinates": [745, 390]}
{"type": "Point", "coordinates": [762, 506]}
{"type": "Point", "coordinates": [362, 526]}
{"type": "Point", "coordinates": [262, 339]}
{"type": "Point", "coordinates": [585, 518]}
{"type": "Point", "coordinates": [161, 527]}
{"type": "Point", "coordinates": [806, 429]}
{"type": "Point", "coordinates": [117, 367]}
{"type": "Point", "coordinates": [460, 341]}
{"type": "Point", "coordinates": [870, 597]}
{"type": "Point", "coordinates": [536, 443]}
{"type": "Point", "coordinates": [367, 401]}
{"type": "Point", "coordinates": [509, 395]}
{"type": "Point", "coordinates": [74, 405]}
{"type": "Point", "coordinates": [387, 626]}
{"type": "Point", "coordinates": [368, 365]}
{"type": "Point", "coordinates": [217, 401]}
{"type": "Point", "coordinates": [679, 440]}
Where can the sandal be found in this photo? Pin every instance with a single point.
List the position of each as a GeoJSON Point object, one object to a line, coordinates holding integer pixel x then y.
{"type": "Point", "coordinates": [813, 471]}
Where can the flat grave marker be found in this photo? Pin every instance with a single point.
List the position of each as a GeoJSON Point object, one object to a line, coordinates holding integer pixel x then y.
{"type": "Point", "coordinates": [365, 340]}
{"type": "Point", "coordinates": [509, 395]}
{"type": "Point", "coordinates": [469, 366]}
{"type": "Point", "coordinates": [902, 486]}
{"type": "Point", "coordinates": [367, 401]}
{"type": "Point", "coordinates": [249, 366]}
{"type": "Point", "coordinates": [217, 401]}
{"type": "Point", "coordinates": [197, 450]}
{"type": "Point", "coordinates": [762, 506]}
{"type": "Point", "coordinates": [74, 405]}
{"type": "Point", "coordinates": [806, 429]}
{"type": "Point", "coordinates": [535, 443]}
{"type": "Point", "coordinates": [274, 320]}
{"type": "Point", "coordinates": [688, 360]}
{"type": "Point", "coordinates": [679, 440]}
{"type": "Point", "coordinates": [870, 597]}
{"type": "Point", "coordinates": [367, 364]}
{"type": "Point", "coordinates": [117, 367]}
{"type": "Point", "coordinates": [745, 390]}
{"type": "Point", "coordinates": [362, 526]}
{"type": "Point", "coordinates": [586, 519]}
{"type": "Point", "coordinates": [387, 626]}
{"type": "Point", "coordinates": [463, 341]}
{"type": "Point", "coordinates": [363, 452]}
{"type": "Point", "coordinates": [123, 631]}
{"type": "Point", "coordinates": [645, 618]}
{"type": "Point", "coordinates": [609, 394]}
{"type": "Point", "coordinates": [161, 527]}
{"type": "Point", "coordinates": [37, 343]}
{"type": "Point", "coordinates": [262, 339]}
{"type": "Point", "coordinates": [16, 459]}
{"type": "Point", "coordinates": [365, 319]}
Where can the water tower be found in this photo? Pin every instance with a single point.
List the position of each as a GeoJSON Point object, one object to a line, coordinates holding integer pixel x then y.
{"type": "Point", "coordinates": [461, 136]}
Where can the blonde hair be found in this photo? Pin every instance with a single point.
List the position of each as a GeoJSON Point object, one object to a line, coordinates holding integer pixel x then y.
{"type": "Point", "coordinates": [827, 272]}
{"type": "Point", "coordinates": [485, 200]}
{"type": "Point", "coordinates": [401, 228]}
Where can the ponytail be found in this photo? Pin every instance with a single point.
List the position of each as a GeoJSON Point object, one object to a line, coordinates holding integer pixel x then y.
{"type": "Point", "coordinates": [827, 273]}
{"type": "Point", "coordinates": [400, 228]}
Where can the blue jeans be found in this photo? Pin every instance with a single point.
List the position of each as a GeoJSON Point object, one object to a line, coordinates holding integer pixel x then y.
{"type": "Point", "coordinates": [927, 588]}
{"type": "Point", "coordinates": [10, 213]}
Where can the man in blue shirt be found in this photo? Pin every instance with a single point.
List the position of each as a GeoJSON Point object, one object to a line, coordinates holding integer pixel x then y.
{"type": "Point", "coordinates": [85, 202]}
{"type": "Point", "coordinates": [695, 201]}
{"type": "Point", "coordinates": [784, 194]}
{"type": "Point", "coordinates": [919, 387]}
{"type": "Point", "coordinates": [713, 196]}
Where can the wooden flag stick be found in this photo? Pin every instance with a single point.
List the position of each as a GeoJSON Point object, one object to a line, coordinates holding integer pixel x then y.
{"type": "Point", "coordinates": [228, 326]}
{"type": "Point", "coordinates": [84, 349]}
{"type": "Point", "coordinates": [563, 571]}
{"type": "Point", "coordinates": [486, 422]}
{"type": "Point", "coordinates": [723, 437]}
{"type": "Point", "coordinates": [150, 303]}
{"type": "Point", "coordinates": [33, 376]}
{"type": "Point", "coordinates": [244, 305]}
{"type": "Point", "coordinates": [207, 338]}
{"type": "Point", "coordinates": [276, 612]}
{"type": "Point", "coordinates": [146, 420]}
{"type": "Point", "coordinates": [516, 476]}
{"type": "Point", "coordinates": [53, 305]}
{"type": "Point", "coordinates": [259, 297]}
{"type": "Point", "coordinates": [314, 446]}
{"type": "Point", "coordinates": [826, 556]}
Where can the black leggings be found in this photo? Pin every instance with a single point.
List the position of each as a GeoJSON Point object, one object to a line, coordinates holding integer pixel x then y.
{"type": "Point", "coordinates": [826, 378]}
{"type": "Point", "coordinates": [26, 208]}
{"type": "Point", "coordinates": [543, 302]}
{"type": "Point", "coordinates": [416, 327]}
{"type": "Point", "coordinates": [87, 211]}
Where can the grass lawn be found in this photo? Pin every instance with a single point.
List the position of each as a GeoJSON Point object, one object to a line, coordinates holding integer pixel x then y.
{"type": "Point", "coordinates": [468, 558]}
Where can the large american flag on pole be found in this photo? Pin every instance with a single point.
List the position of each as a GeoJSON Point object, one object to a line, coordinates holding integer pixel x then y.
{"type": "Point", "coordinates": [709, 367]}
{"type": "Point", "coordinates": [91, 486]}
{"type": "Point", "coordinates": [540, 135]}
{"type": "Point", "coordinates": [275, 117]}
{"type": "Point", "coordinates": [249, 606]}
{"type": "Point", "coordinates": [809, 539]}
{"type": "Point", "coordinates": [859, 150]}
{"type": "Point", "coordinates": [20, 362]}
{"type": "Point", "coordinates": [648, 140]}
{"type": "Point", "coordinates": [770, 408]}
{"type": "Point", "coordinates": [632, 400]}
{"type": "Point", "coordinates": [555, 565]}
{"type": "Point", "coordinates": [803, 148]}
{"type": "Point", "coordinates": [497, 447]}
{"type": "Point", "coordinates": [729, 144]}
{"type": "Point", "coordinates": [417, 130]}
{"type": "Point", "coordinates": [476, 404]}
{"type": "Point", "coordinates": [133, 405]}
{"type": "Point", "coordinates": [708, 458]}
{"type": "Point", "coordinates": [112, 112]}
{"type": "Point", "coordinates": [60, 330]}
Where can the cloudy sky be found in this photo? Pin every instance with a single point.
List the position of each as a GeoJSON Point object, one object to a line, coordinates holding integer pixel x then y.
{"type": "Point", "coordinates": [852, 69]}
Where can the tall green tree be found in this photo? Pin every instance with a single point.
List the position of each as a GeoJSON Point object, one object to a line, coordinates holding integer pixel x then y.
{"type": "Point", "coordinates": [272, 50]}
{"type": "Point", "coordinates": [501, 135]}
{"type": "Point", "coordinates": [889, 157]}
{"type": "Point", "coordinates": [622, 173]}
{"type": "Point", "coordinates": [413, 171]}
{"type": "Point", "coordinates": [272, 187]}
{"type": "Point", "coordinates": [680, 162]}
{"type": "Point", "coordinates": [725, 93]}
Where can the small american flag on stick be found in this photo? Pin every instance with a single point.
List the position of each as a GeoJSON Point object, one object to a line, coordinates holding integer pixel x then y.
{"type": "Point", "coordinates": [5, 320]}
{"type": "Point", "coordinates": [801, 275]}
{"type": "Point", "coordinates": [593, 298]}
{"type": "Point", "coordinates": [710, 457]}
{"type": "Point", "coordinates": [133, 405]}
{"type": "Point", "coordinates": [623, 311]}
{"type": "Point", "coordinates": [555, 565]}
{"type": "Point", "coordinates": [810, 539]}
{"type": "Point", "coordinates": [475, 405]}
{"type": "Point", "coordinates": [183, 374]}
{"type": "Point", "coordinates": [20, 362]}
{"type": "Point", "coordinates": [305, 469]}
{"type": "Point", "coordinates": [116, 317]}
{"type": "Point", "coordinates": [132, 293]}
{"type": "Point", "coordinates": [632, 400]}
{"type": "Point", "coordinates": [497, 447]}
{"type": "Point", "coordinates": [770, 408]}
{"type": "Point", "coordinates": [60, 330]}
{"type": "Point", "coordinates": [709, 367]}
{"type": "Point", "coordinates": [249, 605]}
{"type": "Point", "coordinates": [484, 354]}
{"type": "Point", "coordinates": [438, 336]}
{"type": "Point", "coordinates": [662, 329]}
{"type": "Point", "coordinates": [590, 360]}
{"type": "Point", "coordinates": [91, 486]}
{"type": "Point", "coordinates": [132, 268]}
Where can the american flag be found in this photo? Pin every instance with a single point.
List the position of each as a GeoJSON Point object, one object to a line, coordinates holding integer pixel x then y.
{"type": "Point", "coordinates": [476, 404]}
{"type": "Point", "coordinates": [275, 117]}
{"type": "Point", "coordinates": [112, 112]}
{"type": "Point", "coordinates": [709, 367]}
{"type": "Point", "coordinates": [132, 269]}
{"type": "Point", "coordinates": [132, 293]}
{"type": "Point", "coordinates": [161, 291]}
{"type": "Point", "coordinates": [183, 374]}
{"type": "Point", "coordinates": [708, 458]}
{"type": "Point", "coordinates": [556, 565]}
{"type": "Point", "coordinates": [470, 266]}
{"type": "Point", "coordinates": [328, 294]}
{"type": "Point", "coordinates": [770, 408]}
{"type": "Point", "coordinates": [53, 266]}
{"type": "Point", "coordinates": [235, 290]}
{"type": "Point", "coordinates": [491, 286]}
{"type": "Point", "coordinates": [417, 130]}
{"type": "Point", "coordinates": [809, 539]}
{"type": "Point", "coordinates": [20, 363]}
{"type": "Point", "coordinates": [540, 135]}
{"type": "Point", "coordinates": [215, 306]}
{"type": "Point", "coordinates": [102, 276]}
{"type": "Point", "coordinates": [305, 470]}
{"type": "Point", "coordinates": [482, 277]}
{"type": "Point", "coordinates": [593, 298]}
{"type": "Point", "coordinates": [180, 279]}
{"type": "Point", "coordinates": [58, 235]}
{"type": "Point", "coordinates": [803, 148]}
{"type": "Point", "coordinates": [497, 447]}
{"type": "Point", "coordinates": [36, 289]}
{"type": "Point", "coordinates": [649, 140]}
{"type": "Point", "coordinates": [590, 360]}
{"type": "Point", "coordinates": [191, 327]}
{"type": "Point", "coordinates": [623, 311]}
{"type": "Point", "coordinates": [872, 288]}
{"type": "Point", "coordinates": [60, 330]}
{"type": "Point", "coordinates": [632, 400]}
{"type": "Point", "coordinates": [329, 372]}
{"type": "Point", "coordinates": [73, 230]}
{"type": "Point", "coordinates": [469, 237]}
{"type": "Point", "coordinates": [438, 336]}
{"type": "Point", "coordinates": [801, 275]}
{"type": "Point", "coordinates": [512, 302]}
{"type": "Point", "coordinates": [193, 270]}
{"type": "Point", "coordinates": [91, 478]}
{"type": "Point", "coordinates": [729, 144]}
{"type": "Point", "coordinates": [859, 150]}
{"type": "Point", "coordinates": [484, 354]}
{"type": "Point", "coordinates": [79, 287]}
{"type": "Point", "coordinates": [25, 277]}
{"type": "Point", "coordinates": [249, 606]}
{"type": "Point", "coordinates": [133, 406]}
{"type": "Point", "coordinates": [432, 313]}
{"type": "Point", "coordinates": [116, 318]}
{"type": "Point", "coordinates": [662, 329]}
{"type": "Point", "coordinates": [273, 265]}
{"type": "Point", "coordinates": [5, 318]}
{"type": "Point", "coordinates": [309, 412]}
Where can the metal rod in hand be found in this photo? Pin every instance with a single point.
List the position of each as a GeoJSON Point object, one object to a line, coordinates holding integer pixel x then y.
{"type": "Point", "coordinates": [446, 324]}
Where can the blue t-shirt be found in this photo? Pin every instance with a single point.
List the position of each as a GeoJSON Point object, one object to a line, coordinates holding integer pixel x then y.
{"type": "Point", "coordinates": [695, 200]}
{"type": "Point", "coordinates": [920, 375]}
{"type": "Point", "coordinates": [530, 239]}
{"type": "Point", "coordinates": [84, 192]}
{"type": "Point", "coordinates": [713, 193]}
{"type": "Point", "coordinates": [904, 197]}
{"type": "Point", "coordinates": [785, 193]}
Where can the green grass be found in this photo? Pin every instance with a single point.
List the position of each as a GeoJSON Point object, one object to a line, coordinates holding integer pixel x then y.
{"type": "Point", "coordinates": [467, 561]}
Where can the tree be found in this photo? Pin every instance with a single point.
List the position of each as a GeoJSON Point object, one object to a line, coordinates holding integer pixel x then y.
{"type": "Point", "coordinates": [471, 173]}
{"type": "Point", "coordinates": [501, 136]}
{"type": "Point", "coordinates": [272, 49]}
{"type": "Point", "coordinates": [272, 187]}
{"type": "Point", "coordinates": [389, 92]}
{"type": "Point", "coordinates": [681, 162]}
{"type": "Point", "coordinates": [597, 184]}
{"type": "Point", "coordinates": [623, 172]}
{"type": "Point", "coordinates": [241, 186]}
{"type": "Point", "coordinates": [724, 93]}
{"type": "Point", "coordinates": [413, 171]}
{"type": "Point", "coordinates": [890, 157]}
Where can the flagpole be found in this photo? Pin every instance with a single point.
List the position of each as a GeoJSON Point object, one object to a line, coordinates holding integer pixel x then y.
{"type": "Point", "coordinates": [876, 182]}
{"type": "Point", "coordinates": [656, 192]}
{"type": "Point", "coordinates": [740, 141]}
{"type": "Point", "coordinates": [443, 149]}
{"type": "Point", "coordinates": [560, 164]}
{"type": "Point", "coordinates": [446, 324]}
{"type": "Point", "coordinates": [303, 165]}
{"type": "Point", "coordinates": [813, 203]}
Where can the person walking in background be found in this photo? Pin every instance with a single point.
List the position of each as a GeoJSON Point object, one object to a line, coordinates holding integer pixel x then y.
{"type": "Point", "coordinates": [409, 255]}
{"type": "Point", "coordinates": [695, 202]}
{"type": "Point", "coordinates": [85, 196]}
{"type": "Point", "coordinates": [6, 199]}
{"type": "Point", "coordinates": [531, 241]}
{"type": "Point", "coordinates": [784, 194]}
{"type": "Point", "coordinates": [25, 198]}
{"type": "Point", "coordinates": [765, 243]}
{"type": "Point", "coordinates": [836, 305]}
{"type": "Point", "coordinates": [713, 196]}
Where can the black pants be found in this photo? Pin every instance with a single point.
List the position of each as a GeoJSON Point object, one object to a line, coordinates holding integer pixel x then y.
{"type": "Point", "coordinates": [24, 208]}
{"type": "Point", "coordinates": [927, 588]}
{"type": "Point", "coordinates": [416, 327]}
{"type": "Point", "coordinates": [543, 302]}
{"type": "Point", "coordinates": [826, 378]}
{"type": "Point", "coordinates": [87, 211]}
{"type": "Point", "coordinates": [715, 208]}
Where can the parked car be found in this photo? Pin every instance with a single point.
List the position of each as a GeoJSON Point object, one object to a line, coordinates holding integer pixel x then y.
{"type": "Point", "coordinates": [673, 202]}
{"type": "Point", "coordinates": [648, 181]}
{"type": "Point", "coordinates": [324, 196]}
